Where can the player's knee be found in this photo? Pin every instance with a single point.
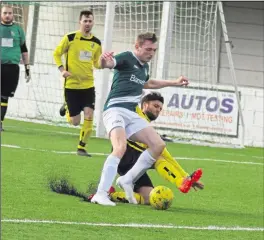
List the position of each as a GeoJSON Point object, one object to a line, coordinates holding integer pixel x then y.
{"type": "Point", "coordinates": [158, 148]}
{"type": "Point", "coordinates": [75, 122]}
{"type": "Point", "coordinates": [119, 150]}
{"type": "Point", "coordinates": [88, 113]}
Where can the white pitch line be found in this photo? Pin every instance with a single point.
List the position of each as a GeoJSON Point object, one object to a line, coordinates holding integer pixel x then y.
{"type": "Point", "coordinates": [243, 155]}
{"type": "Point", "coordinates": [218, 160]}
{"type": "Point", "coordinates": [47, 131]}
{"type": "Point", "coordinates": [136, 225]}
{"type": "Point", "coordinates": [106, 154]}
{"type": "Point", "coordinates": [77, 134]}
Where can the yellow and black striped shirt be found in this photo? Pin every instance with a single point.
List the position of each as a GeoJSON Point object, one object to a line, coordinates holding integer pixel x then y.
{"type": "Point", "coordinates": [81, 56]}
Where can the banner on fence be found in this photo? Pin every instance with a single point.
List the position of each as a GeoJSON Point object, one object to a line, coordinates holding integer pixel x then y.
{"type": "Point", "coordinates": [199, 110]}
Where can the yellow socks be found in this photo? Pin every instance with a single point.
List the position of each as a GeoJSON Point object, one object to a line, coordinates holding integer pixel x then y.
{"type": "Point", "coordinates": [166, 155]}
{"type": "Point", "coordinates": [85, 132]}
{"type": "Point", "coordinates": [121, 197]}
{"type": "Point", "coordinates": [169, 172]}
{"type": "Point", "coordinates": [3, 108]}
{"type": "Point", "coordinates": [68, 115]}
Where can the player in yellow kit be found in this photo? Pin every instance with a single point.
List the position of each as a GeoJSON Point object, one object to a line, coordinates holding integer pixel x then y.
{"type": "Point", "coordinates": [166, 165]}
{"type": "Point", "coordinates": [81, 51]}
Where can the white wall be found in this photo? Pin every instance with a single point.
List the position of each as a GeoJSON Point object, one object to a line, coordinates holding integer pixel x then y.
{"type": "Point", "coordinates": [245, 26]}
{"type": "Point", "coordinates": [44, 95]}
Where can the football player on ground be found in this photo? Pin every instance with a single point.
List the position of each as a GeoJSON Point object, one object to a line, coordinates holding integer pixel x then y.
{"type": "Point", "coordinates": [166, 165]}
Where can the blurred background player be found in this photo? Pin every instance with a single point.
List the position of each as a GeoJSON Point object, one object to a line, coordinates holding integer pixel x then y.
{"type": "Point", "coordinates": [13, 45]}
{"type": "Point", "coordinates": [81, 50]}
{"type": "Point", "coordinates": [166, 165]}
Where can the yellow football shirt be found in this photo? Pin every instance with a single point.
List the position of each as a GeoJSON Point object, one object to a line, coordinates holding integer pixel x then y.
{"type": "Point", "coordinates": [81, 55]}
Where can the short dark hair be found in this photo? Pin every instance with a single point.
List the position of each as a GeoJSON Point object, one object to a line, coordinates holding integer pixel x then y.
{"type": "Point", "coordinates": [85, 13]}
{"type": "Point", "coordinates": [153, 96]}
{"type": "Point", "coordinates": [141, 38]}
{"type": "Point", "coordinates": [6, 6]}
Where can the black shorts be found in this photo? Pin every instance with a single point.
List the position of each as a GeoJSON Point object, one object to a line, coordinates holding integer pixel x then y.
{"type": "Point", "coordinates": [9, 79]}
{"type": "Point", "coordinates": [78, 99]}
{"type": "Point", "coordinates": [127, 162]}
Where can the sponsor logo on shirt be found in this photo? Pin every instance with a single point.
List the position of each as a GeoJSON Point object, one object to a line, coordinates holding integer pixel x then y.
{"type": "Point", "coordinates": [133, 78]}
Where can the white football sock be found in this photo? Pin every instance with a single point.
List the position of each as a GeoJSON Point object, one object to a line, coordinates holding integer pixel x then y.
{"type": "Point", "coordinates": [144, 162]}
{"type": "Point", "coordinates": [108, 174]}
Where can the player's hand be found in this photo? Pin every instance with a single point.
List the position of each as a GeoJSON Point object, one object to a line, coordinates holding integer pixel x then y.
{"type": "Point", "coordinates": [107, 60]}
{"type": "Point", "coordinates": [198, 185]}
{"type": "Point", "coordinates": [27, 73]}
{"type": "Point", "coordinates": [181, 81]}
{"type": "Point", "coordinates": [65, 73]}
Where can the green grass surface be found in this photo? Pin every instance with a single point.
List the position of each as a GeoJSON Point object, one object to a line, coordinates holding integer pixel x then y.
{"type": "Point", "coordinates": [233, 194]}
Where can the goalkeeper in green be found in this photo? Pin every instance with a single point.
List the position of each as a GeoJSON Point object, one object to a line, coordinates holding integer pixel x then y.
{"type": "Point", "coordinates": [13, 45]}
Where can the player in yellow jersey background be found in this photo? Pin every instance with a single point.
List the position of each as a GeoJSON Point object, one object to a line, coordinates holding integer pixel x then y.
{"type": "Point", "coordinates": [81, 51]}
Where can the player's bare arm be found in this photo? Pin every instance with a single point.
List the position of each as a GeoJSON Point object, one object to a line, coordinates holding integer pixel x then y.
{"type": "Point", "coordinates": [156, 84]}
{"type": "Point", "coordinates": [25, 58]}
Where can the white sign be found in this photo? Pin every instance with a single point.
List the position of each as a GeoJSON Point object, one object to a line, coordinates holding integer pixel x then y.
{"type": "Point", "coordinates": [199, 110]}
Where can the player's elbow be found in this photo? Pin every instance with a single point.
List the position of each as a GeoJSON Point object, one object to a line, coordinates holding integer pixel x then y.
{"type": "Point", "coordinates": [56, 55]}
{"type": "Point", "coordinates": [57, 59]}
{"type": "Point", "coordinates": [150, 85]}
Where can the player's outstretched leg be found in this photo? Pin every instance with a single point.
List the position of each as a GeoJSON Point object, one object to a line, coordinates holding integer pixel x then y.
{"type": "Point", "coordinates": [188, 181]}
{"type": "Point", "coordinates": [167, 156]}
{"type": "Point", "coordinates": [169, 172]}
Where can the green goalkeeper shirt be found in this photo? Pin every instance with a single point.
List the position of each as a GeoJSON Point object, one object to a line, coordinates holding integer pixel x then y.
{"type": "Point", "coordinates": [12, 38]}
{"type": "Point", "coordinates": [129, 78]}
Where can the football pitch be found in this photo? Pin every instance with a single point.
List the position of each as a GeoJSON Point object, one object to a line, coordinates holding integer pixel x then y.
{"type": "Point", "coordinates": [230, 206]}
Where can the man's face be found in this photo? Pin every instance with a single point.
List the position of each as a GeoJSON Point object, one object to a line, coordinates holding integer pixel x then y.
{"type": "Point", "coordinates": [87, 23]}
{"type": "Point", "coordinates": [146, 51]}
{"type": "Point", "coordinates": [7, 15]}
{"type": "Point", "coordinates": [152, 108]}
